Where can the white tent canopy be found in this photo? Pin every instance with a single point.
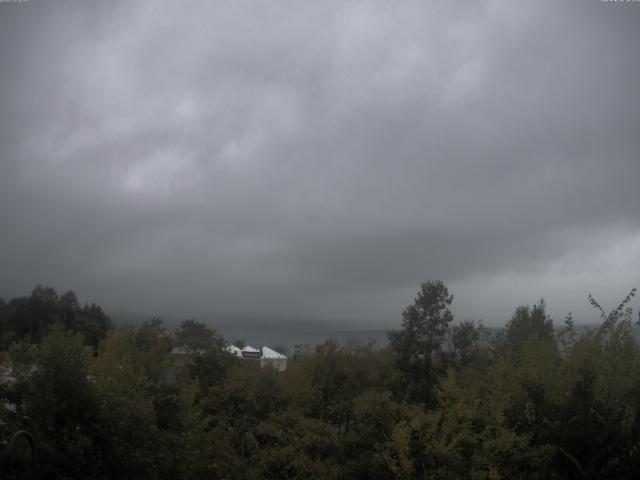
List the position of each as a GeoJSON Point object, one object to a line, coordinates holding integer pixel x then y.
{"type": "Point", "coordinates": [273, 359]}
{"type": "Point", "coordinates": [269, 353]}
{"type": "Point", "coordinates": [235, 351]}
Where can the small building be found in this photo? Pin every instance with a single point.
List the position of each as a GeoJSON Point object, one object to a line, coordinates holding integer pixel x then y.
{"type": "Point", "coordinates": [251, 353]}
{"type": "Point", "coordinates": [235, 351]}
{"type": "Point", "coordinates": [273, 359]}
{"type": "Point", "coordinates": [263, 357]}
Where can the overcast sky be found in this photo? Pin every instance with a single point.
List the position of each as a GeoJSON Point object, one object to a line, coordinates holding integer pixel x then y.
{"type": "Point", "coordinates": [317, 160]}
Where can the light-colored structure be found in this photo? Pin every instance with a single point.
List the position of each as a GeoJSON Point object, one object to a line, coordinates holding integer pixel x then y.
{"type": "Point", "coordinates": [264, 356]}
{"type": "Point", "coordinates": [273, 359]}
{"type": "Point", "coordinates": [250, 352]}
{"type": "Point", "coordinates": [235, 351]}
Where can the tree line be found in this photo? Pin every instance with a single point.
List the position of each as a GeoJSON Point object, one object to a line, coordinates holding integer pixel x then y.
{"type": "Point", "coordinates": [445, 399]}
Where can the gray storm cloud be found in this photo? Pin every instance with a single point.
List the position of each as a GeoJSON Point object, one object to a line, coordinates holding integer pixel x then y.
{"type": "Point", "coordinates": [320, 159]}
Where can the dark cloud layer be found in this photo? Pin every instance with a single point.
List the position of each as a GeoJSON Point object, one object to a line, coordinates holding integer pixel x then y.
{"type": "Point", "coordinates": [319, 159]}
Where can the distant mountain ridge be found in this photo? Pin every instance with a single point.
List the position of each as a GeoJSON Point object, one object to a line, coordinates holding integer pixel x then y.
{"type": "Point", "coordinates": [290, 332]}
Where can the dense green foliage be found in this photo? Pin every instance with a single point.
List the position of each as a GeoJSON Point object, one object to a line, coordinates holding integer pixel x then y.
{"type": "Point", "coordinates": [443, 401]}
{"type": "Point", "coordinates": [32, 317]}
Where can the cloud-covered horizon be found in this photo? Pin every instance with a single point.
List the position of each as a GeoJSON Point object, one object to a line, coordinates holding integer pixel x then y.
{"type": "Point", "coordinates": [320, 159]}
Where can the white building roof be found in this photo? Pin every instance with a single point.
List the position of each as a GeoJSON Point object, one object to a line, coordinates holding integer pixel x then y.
{"type": "Point", "coordinates": [268, 353]}
{"type": "Point", "coordinates": [250, 349]}
{"type": "Point", "coordinates": [235, 351]}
